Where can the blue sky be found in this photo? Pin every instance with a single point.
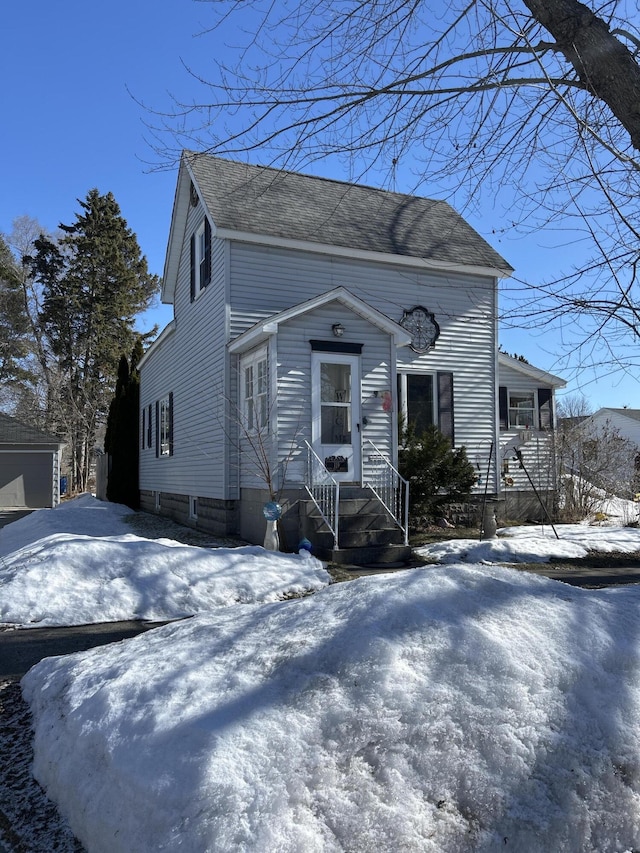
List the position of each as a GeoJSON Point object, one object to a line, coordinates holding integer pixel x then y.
{"type": "Point", "coordinates": [71, 124]}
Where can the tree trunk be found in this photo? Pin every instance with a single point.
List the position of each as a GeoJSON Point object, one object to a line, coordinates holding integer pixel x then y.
{"type": "Point", "coordinates": [605, 67]}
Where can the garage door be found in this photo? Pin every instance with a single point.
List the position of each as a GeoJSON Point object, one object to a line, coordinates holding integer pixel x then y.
{"type": "Point", "coordinates": [26, 479]}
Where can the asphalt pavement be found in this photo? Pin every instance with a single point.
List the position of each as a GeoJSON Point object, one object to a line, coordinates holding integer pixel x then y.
{"type": "Point", "coordinates": [21, 648]}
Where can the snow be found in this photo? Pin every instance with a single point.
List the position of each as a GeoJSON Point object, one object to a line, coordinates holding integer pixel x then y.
{"type": "Point", "coordinates": [73, 578]}
{"type": "Point", "coordinates": [536, 544]}
{"type": "Point", "coordinates": [461, 707]}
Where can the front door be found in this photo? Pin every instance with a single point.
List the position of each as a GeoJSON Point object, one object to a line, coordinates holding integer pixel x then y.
{"type": "Point", "coordinates": [335, 409]}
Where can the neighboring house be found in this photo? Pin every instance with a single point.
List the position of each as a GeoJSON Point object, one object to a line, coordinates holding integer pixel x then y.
{"type": "Point", "coordinates": [308, 315]}
{"type": "Point", "coordinates": [527, 417]}
{"type": "Point", "coordinates": [29, 466]}
{"type": "Point", "coordinates": [626, 422]}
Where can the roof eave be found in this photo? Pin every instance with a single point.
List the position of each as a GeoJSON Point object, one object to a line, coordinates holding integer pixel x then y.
{"type": "Point", "coordinates": [531, 371]}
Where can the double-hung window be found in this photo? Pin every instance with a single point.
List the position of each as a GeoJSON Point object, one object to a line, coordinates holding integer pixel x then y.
{"type": "Point", "coordinates": [417, 400]}
{"type": "Point", "coordinates": [426, 399]}
{"type": "Point", "coordinates": [255, 391]}
{"type": "Point", "coordinates": [200, 258]}
{"type": "Point", "coordinates": [522, 409]}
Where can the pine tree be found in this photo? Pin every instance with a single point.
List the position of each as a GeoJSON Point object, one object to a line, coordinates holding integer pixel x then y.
{"type": "Point", "coordinates": [94, 282]}
{"type": "Point", "coordinates": [14, 326]}
{"type": "Point", "coordinates": [122, 436]}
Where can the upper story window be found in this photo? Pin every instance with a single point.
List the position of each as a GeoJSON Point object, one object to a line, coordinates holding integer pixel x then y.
{"type": "Point", "coordinates": [255, 378]}
{"type": "Point", "coordinates": [200, 258]}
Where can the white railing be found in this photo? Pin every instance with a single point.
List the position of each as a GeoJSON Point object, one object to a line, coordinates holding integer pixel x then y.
{"type": "Point", "coordinates": [324, 491]}
{"type": "Point", "coordinates": [390, 487]}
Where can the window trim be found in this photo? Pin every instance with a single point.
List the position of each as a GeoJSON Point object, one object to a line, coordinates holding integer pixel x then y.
{"type": "Point", "coordinates": [513, 410]}
{"type": "Point", "coordinates": [251, 361]}
{"type": "Point", "coordinates": [193, 507]}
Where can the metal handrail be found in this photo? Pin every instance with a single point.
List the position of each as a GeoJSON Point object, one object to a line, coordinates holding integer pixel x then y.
{"type": "Point", "coordinates": [392, 490]}
{"type": "Point", "coordinates": [324, 491]}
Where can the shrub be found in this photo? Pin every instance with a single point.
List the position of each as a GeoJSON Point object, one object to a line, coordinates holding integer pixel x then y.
{"type": "Point", "coordinates": [437, 473]}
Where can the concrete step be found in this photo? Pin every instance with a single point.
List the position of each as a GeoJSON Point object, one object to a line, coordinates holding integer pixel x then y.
{"type": "Point", "coordinates": [372, 555]}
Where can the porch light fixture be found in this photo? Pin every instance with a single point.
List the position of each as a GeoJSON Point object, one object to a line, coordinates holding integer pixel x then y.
{"type": "Point", "coordinates": [338, 330]}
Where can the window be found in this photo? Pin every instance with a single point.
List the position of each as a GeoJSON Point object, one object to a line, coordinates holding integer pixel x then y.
{"type": "Point", "coordinates": [200, 258]}
{"type": "Point", "coordinates": [255, 392]}
{"type": "Point", "coordinates": [521, 409]}
{"type": "Point", "coordinates": [164, 426]}
{"type": "Point", "coordinates": [147, 432]}
{"type": "Point", "coordinates": [193, 507]}
{"type": "Point", "coordinates": [531, 409]}
{"type": "Point", "coordinates": [417, 405]}
{"type": "Point", "coordinates": [335, 403]}
{"type": "Point", "coordinates": [426, 399]}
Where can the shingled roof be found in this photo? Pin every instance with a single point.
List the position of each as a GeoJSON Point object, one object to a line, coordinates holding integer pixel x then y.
{"type": "Point", "coordinates": [15, 432]}
{"type": "Point", "coordinates": [266, 201]}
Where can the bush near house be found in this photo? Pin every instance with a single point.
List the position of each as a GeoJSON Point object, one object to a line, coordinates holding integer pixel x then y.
{"type": "Point", "coordinates": [438, 474]}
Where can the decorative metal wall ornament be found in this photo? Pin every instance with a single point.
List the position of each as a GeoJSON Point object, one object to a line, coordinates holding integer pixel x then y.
{"type": "Point", "coordinates": [422, 326]}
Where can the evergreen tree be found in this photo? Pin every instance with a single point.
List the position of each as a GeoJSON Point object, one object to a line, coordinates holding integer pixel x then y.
{"type": "Point", "coordinates": [122, 436]}
{"type": "Point", "coordinates": [94, 283]}
{"type": "Point", "coordinates": [14, 326]}
{"type": "Point", "coordinates": [438, 474]}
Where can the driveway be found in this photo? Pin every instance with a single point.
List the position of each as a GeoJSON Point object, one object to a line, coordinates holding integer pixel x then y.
{"type": "Point", "coordinates": [9, 515]}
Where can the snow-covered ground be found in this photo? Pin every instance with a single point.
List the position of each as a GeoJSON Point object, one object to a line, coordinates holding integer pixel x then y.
{"type": "Point", "coordinates": [536, 544]}
{"type": "Point", "coordinates": [464, 707]}
{"type": "Point", "coordinates": [78, 574]}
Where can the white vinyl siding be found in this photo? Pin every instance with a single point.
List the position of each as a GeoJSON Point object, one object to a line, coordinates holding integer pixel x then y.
{"type": "Point", "coordinates": [192, 361]}
{"type": "Point", "coordinates": [537, 449]}
{"type": "Point", "coordinates": [266, 280]}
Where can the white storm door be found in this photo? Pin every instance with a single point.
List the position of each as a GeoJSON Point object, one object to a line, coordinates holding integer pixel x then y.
{"type": "Point", "coordinates": [335, 410]}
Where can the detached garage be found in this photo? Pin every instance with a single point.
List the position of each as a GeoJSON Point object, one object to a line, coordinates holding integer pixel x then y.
{"type": "Point", "coordinates": [29, 466]}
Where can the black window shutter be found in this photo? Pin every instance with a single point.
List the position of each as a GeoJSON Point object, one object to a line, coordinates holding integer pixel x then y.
{"type": "Point", "coordinates": [144, 425]}
{"type": "Point", "coordinates": [445, 405]}
{"type": "Point", "coordinates": [193, 267]}
{"type": "Point", "coordinates": [206, 278]}
{"type": "Point", "coordinates": [503, 405]}
{"type": "Point", "coordinates": [170, 423]}
{"type": "Point", "coordinates": [545, 412]}
{"type": "Point", "coordinates": [157, 428]}
{"type": "Point", "coordinates": [149, 428]}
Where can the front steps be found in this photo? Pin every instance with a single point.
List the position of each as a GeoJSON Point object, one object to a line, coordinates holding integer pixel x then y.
{"type": "Point", "coordinates": [367, 535]}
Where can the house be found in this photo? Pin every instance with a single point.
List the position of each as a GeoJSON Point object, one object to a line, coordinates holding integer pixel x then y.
{"type": "Point", "coordinates": [309, 315]}
{"type": "Point", "coordinates": [527, 451]}
{"type": "Point", "coordinates": [626, 422]}
{"type": "Point", "coordinates": [29, 466]}
{"type": "Point", "coordinates": [611, 449]}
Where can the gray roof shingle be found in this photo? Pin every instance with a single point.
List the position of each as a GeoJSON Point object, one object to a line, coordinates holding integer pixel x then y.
{"type": "Point", "coordinates": [15, 432]}
{"type": "Point", "coordinates": [634, 414]}
{"type": "Point", "coordinates": [270, 202]}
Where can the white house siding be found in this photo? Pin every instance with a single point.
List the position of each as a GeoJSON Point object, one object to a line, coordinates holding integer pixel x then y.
{"type": "Point", "coordinates": [537, 448]}
{"type": "Point", "coordinates": [294, 382]}
{"type": "Point", "coordinates": [191, 363]}
{"type": "Point", "coordinates": [628, 427]}
{"type": "Point", "coordinates": [265, 280]}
